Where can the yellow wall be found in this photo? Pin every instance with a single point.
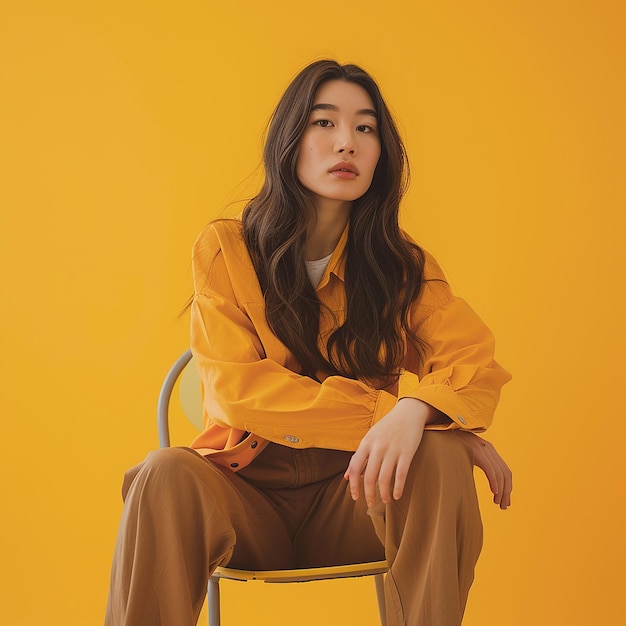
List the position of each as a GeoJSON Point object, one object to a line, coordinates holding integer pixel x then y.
{"type": "Point", "coordinates": [125, 126]}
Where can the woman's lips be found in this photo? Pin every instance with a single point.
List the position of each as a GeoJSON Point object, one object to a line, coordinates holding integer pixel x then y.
{"type": "Point", "coordinates": [344, 170]}
{"type": "Point", "coordinates": [343, 174]}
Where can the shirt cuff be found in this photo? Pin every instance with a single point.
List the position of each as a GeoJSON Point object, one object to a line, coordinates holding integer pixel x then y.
{"type": "Point", "coordinates": [385, 402]}
{"type": "Point", "coordinates": [442, 397]}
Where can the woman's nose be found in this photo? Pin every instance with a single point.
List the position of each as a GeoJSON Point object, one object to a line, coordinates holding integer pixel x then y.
{"type": "Point", "coordinates": [346, 144]}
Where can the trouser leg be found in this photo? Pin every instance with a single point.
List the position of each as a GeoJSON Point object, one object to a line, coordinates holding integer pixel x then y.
{"type": "Point", "coordinates": [432, 536]}
{"type": "Point", "coordinates": [182, 511]}
{"type": "Point", "coordinates": [178, 525]}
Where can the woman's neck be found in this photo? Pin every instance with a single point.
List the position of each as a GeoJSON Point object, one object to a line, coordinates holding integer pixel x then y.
{"type": "Point", "coordinates": [325, 232]}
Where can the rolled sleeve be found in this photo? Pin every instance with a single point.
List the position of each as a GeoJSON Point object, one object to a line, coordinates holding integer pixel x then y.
{"type": "Point", "coordinates": [459, 375]}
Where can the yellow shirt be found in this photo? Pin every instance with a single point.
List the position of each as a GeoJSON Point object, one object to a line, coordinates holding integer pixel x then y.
{"type": "Point", "coordinates": [250, 380]}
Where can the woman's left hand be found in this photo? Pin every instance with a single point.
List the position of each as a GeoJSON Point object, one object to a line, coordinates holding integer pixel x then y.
{"type": "Point", "coordinates": [385, 453]}
{"type": "Point", "coordinates": [497, 471]}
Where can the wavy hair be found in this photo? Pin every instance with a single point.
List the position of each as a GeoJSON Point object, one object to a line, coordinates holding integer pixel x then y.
{"type": "Point", "coordinates": [383, 270]}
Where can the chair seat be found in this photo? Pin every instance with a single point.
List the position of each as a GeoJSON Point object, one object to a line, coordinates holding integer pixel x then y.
{"type": "Point", "coordinates": [303, 575]}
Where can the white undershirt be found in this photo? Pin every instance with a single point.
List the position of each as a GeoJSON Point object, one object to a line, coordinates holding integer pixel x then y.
{"type": "Point", "coordinates": [315, 269]}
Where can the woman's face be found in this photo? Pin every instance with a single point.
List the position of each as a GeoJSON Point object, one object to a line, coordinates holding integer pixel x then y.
{"type": "Point", "coordinates": [340, 147]}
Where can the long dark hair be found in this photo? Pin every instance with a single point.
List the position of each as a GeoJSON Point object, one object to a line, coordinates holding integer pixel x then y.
{"type": "Point", "coordinates": [383, 272]}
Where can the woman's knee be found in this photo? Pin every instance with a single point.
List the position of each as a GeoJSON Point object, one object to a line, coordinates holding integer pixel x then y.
{"type": "Point", "coordinates": [170, 459]}
{"type": "Point", "coordinates": [167, 467]}
{"type": "Point", "coordinates": [442, 457]}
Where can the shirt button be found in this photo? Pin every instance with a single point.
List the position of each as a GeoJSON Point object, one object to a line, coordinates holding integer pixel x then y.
{"type": "Point", "coordinates": [292, 438]}
{"type": "Point", "coordinates": [461, 419]}
{"type": "Point", "coordinates": [234, 464]}
{"type": "Point", "coordinates": [254, 444]}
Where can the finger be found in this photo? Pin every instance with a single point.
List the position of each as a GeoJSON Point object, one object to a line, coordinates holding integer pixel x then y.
{"type": "Point", "coordinates": [508, 487]}
{"type": "Point", "coordinates": [370, 479]}
{"type": "Point", "coordinates": [499, 474]}
{"type": "Point", "coordinates": [485, 463]}
{"type": "Point", "coordinates": [354, 474]}
{"type": "Point", "coordinates": [500, 469]}
{"type": "Point", "coordinates": [385, 477]}
{"type": "Point", "coordinates": [402, 471]}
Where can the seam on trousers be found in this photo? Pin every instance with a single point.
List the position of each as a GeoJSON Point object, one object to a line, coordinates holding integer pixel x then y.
{"type": "Point", "coordinates": [395, 612]}
{"type": "Point", "coordinates": [394, 609]}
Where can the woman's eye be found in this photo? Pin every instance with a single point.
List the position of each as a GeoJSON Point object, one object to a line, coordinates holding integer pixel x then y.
{"type": "Point", "coordinates": [364, 128]}
{"type": "Point", "coordinates": [323, 123]}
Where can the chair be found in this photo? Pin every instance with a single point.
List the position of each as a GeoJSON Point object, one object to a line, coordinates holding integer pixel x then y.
{"type": "Point", "coordinates": [191, 403]}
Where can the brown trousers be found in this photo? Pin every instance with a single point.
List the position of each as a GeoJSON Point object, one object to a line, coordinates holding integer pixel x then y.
{"type": "Point", "coordinates": [185, 515]}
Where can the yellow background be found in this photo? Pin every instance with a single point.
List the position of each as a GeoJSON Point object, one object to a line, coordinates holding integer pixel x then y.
{"type": "Point", "coordinates": [125, 126]}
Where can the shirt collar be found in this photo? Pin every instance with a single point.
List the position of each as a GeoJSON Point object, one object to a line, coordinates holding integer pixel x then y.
{"type": "Point", "coordinates": [337, 263]}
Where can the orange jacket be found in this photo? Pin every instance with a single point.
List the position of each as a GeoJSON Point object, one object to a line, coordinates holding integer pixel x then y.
{"type": "Point", "coordinates": [250, 380]}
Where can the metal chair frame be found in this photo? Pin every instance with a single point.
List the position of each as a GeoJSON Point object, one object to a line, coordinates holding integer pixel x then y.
{"type": "Point", "coordinates": [376, 569]}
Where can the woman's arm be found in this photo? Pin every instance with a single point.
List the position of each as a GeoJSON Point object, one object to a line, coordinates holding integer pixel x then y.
{"type": "Point", "coordinates": [456, 386]}
{"type": "Point", "coordinates": [245, 387]}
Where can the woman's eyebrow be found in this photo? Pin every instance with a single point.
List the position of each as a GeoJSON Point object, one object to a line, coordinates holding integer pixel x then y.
{"type": "Point", "coordinates": [332, 107]}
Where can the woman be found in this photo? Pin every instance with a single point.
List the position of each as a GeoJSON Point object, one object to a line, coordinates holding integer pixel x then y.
{"type": "Point", "coordinates": [342, 382]}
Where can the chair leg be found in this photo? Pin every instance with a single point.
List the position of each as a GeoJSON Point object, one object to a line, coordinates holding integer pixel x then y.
{"type": "Point", "coordinates": [379, 579]}
{"type": "Point", "coordinates": [214, 601]}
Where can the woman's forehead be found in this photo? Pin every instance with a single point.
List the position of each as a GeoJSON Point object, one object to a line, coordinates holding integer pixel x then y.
{"type": "Point", "coordinates": [343, 95]}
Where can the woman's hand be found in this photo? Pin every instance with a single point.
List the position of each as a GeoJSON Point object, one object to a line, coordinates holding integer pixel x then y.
{"type": "Point", "coordinates": [497, 471]}
{"type": "Point", "coordinates": [385, 453]}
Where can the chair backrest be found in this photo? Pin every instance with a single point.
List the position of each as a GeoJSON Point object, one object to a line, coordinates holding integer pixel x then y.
{"type": "Point", "coordinates": [190, 395]}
